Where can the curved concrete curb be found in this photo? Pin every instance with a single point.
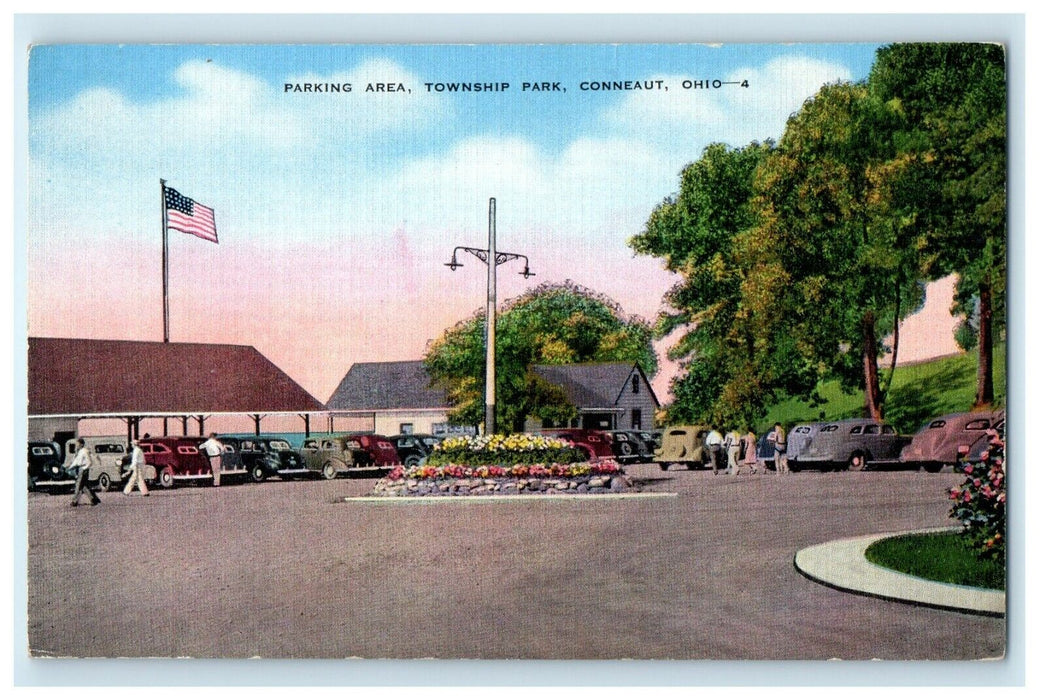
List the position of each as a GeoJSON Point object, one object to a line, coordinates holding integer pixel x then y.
{"type": "Point", "coordinates": [841, 564]}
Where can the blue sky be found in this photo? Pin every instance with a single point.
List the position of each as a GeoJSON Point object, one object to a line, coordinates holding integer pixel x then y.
{"type": "Point", "coordinates": [336, 211]}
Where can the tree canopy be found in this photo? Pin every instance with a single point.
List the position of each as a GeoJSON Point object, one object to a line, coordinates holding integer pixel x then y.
{"type": "Point", "coordinates": [553, 324]}
{"type": "Point", "coordinates": [799, 259]}
{"type": "Point", "coordinates": [952, 103]}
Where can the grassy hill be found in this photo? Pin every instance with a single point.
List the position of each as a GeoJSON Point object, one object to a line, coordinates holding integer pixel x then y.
{"type": "Point", "coordinates": [918, 393]}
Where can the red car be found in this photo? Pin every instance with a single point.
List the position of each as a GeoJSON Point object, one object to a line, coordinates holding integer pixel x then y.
{"type": "Point", "coordinates": [372, 450]}
{"type": "Point", "coordinates": [944, 441]}
{"type": "Point", "coordinates": [597, 444]}
{"type": "Point", "coordinates": [176, 459]}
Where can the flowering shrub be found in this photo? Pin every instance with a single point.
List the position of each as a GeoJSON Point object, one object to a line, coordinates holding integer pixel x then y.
{"type": "Point", "coordinates": [504, 451]}
{"type": "Point", "coordinates": [493, 471]}
{"type": "Point", "coordinates": [979, 503]}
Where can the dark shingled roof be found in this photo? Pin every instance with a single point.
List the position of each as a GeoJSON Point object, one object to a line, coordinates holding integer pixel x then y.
{"type": "Point", "coordinates": [75, 376]}
{"type": "Point", "coordinates": [590, 385]}
{"type": "Point", "coordinates": [375, 386]}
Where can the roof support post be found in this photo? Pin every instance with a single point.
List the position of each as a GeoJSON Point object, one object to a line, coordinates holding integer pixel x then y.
{"type": "Point", "coordinates": [199, 421]}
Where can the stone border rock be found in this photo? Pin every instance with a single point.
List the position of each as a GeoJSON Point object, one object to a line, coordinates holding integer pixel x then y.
{"type": "Point", "coordinates": [842, 564]}
{"type": "Point", "coordinates": [506, 486]}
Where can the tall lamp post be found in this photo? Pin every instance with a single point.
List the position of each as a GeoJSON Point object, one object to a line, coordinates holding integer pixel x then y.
{"type": "Point", "coordinates": [492, 258]}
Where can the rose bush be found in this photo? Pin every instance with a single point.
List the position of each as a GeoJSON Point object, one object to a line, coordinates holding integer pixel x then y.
{"type": "Point", "coordinates": [503, 451]}
{"type": "Point", "coordinates": [979, 503]}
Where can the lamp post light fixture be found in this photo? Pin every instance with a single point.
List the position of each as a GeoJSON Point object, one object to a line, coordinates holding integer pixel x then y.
{"type": "Point", "coordinates": [492, 258]}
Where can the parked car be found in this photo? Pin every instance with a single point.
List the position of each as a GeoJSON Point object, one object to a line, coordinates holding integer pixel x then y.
{"type": "Point", "coordinates": [45, 468]}
{"type": "Point", "coordinates": [266, 455]}
{"type": "Point", "coordinates": [342, 454]}
{"type": "Point", "coordinates": [633, 446]}
{"type": "Point", "coordinates": [854, 443]}
{"type": "Point", "coordinates": [171, 459]}
{"type": "Point", "coordinates": [764, 450]}
{"type": "Point", "coordinates": [412, 449]}
{"type": "Point", "coordinates": [375, 450]}
{"type": "Point", "coordinates": [627, 446]}
{"type": "Point", "coordinates": [797, 445]}
{"type": "Point", "coordinates": [108, 455]}
{"type": "Point", "coordinates": [597, 444]}
{"type": "Point", "coordinates": [944, 441]}
{"type": "Point", "coordinates": [980, 445]}
{"type": "Point", "coordinates": [684, 444]}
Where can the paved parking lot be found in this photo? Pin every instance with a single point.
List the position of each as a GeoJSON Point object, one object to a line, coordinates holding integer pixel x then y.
{"type": "Point", "coordinates": [291, 570]}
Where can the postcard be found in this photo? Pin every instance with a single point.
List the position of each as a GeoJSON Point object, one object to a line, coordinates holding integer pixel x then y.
{"type": "Point", "coordinates": [517, 351]}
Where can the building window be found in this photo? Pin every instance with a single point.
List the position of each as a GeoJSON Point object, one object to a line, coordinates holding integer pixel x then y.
{"type": "Point", "coordinates": [406, 428]}
{"type": "Point", "coordinates": [637, 419]}
{"type": "Point", "coordinates": [635, 383]}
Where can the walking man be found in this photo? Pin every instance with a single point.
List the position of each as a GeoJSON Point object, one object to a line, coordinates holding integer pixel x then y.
{"type": "Point", "coordinates": [733, 452]}
{"type": "Point", "coordinates": [82, 464]}
{"type": "Point", "coordinates": [780, 450]}
{"type": "Point", "coordinates": [137, 477]}
{"type": "Point", "coordinates": [214, 448]}
{"type": "Point", "coordinates": [714, 443]}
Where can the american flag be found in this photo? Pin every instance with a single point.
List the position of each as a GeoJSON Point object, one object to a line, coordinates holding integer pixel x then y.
{"type": "Point", "coordinates": [187, 216]}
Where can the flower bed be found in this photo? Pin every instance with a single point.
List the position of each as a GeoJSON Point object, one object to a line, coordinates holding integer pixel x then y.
{"type": "Point", "coordinates": [463, 480]}
{"type": "Point", "coordinates": [504, 451]}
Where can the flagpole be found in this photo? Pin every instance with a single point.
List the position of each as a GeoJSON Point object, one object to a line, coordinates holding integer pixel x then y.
{"type": "Point", "coordinates": [163, 222]}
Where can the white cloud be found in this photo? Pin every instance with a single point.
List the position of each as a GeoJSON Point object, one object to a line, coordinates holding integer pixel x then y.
{"type": "Point", "coordinates": [685, 120]}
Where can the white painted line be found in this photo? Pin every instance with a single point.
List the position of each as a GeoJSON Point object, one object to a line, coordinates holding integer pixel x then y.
{"type": "Point", "coordinates": [396, 500]}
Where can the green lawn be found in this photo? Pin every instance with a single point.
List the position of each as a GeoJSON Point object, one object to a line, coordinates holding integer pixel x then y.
{"type": "Point", "coordinates": [917, 393]}
{"type": "Point", "coordinates": [943, 556]}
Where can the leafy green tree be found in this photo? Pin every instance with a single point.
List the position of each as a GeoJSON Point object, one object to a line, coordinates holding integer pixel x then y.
{"type": "Point", "coordinates": [695, 232]}
{"type": "Point", "coordinates": [952, 101]}
{"type": "Point", "coordinates": [834, 252]}
{"type": "Point", "coordinates": [551, 324]}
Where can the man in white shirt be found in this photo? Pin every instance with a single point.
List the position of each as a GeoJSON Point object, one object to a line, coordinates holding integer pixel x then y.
{"type": "Point", "coordinates": [137, 477]}
{"type": "Point", "coordinates": [82, 464]}
{"type": "Point", "coordinates": [213, 448]}
{"type": "Point", "coordinates": [714, 443]}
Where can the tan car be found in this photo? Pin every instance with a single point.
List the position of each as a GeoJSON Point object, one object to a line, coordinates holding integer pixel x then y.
{"type": "Point", "coordinates": [684, 444]}
{"type": "Point", "coordinates": [330, 456]}
{"type": "Point", "coordinates": [107, 459]}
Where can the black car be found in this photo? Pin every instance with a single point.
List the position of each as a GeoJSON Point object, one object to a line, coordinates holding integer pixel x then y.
{"type": "Point", "coordinates": [628, 448]}
{"type": "Point", "coordinates": [648, 440]}
{"type": "Point", "coordinates": [414, 449]}
{"type": "Point", "coordinates": [265, 455]}
{"type": "Point", "coordinates": [45, 466]}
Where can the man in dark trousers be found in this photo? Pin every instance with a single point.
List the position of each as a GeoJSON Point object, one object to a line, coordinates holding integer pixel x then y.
{"type": "Point", "coordinates": [82, 464]}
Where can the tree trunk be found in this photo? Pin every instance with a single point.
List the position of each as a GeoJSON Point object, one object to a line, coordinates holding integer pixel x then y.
{"type": "Point", "coordinates": [985, 384]}
{"type": "Point", "coordinates": [872, 394]}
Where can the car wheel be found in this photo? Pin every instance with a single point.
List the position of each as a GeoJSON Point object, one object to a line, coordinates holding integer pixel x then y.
{"type": "Point", "coordinates": [257, 473]}
{"type": "Point", "coordinates": [167, 478]}
{"type": "Point", "coordinates": [933, 467]}
{"type": "Point", "coordinates": [664, 466]}
{"type": "Point", "coordinates": [329, 470]}
{"type": "Point", "coordinates": [857, 462]}
{"type": "Point", "coordinates": [104, 482]}
{"type": "Point", "coordinates": [412, 461]}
